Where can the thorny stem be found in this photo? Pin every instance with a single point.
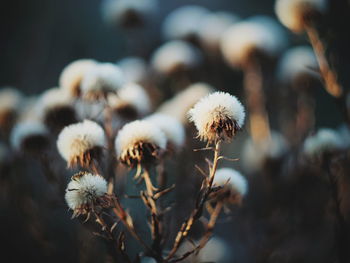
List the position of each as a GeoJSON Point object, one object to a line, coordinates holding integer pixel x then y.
{"type": "Point", "coordinates": [196, 213]}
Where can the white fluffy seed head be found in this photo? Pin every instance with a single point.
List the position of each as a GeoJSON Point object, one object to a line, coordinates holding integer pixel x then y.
{"type": "Point", "coordinates": [214, 113]}
{"type": "Point", "coordinates": [72, 75]}
{"type": "Point", "coordinates": [292, 13]}
{"type": "Point", "coordinates": [254, 155]}
{"type": "Point", "coordinates": [10, 99]}
{"type": "Point", "coordinates": [84, 190]}
{"type": "Point", "coordinates": [297, 62]}
{"type": "Point", "coordinates": [100, 79]}
{"type": "Point", "coordinates": [77, 139]}
{"type": "Point", "coordinates": [139, 131]}
{"type": "Point", "coordinates": [128, 13]}
{"type": "Point", "coordinates": [175, 56]}
{"type": "Point", "coordinates": [183, 22]}
{"type": "Point", "coordinates": [172, 128]}
{"type": "Point", "coordinates": [212, 27]}
{"type": "Point", "coordinates": [22, 131]}
{"type": "Point", "coordinates": [216, 250]}
{"type": "Point", "coordinates": [179, 105]}
{"type": "Point", "coordinates": [233, 178]}
{"type": "Point", "coordinates": [325, 140]}
{"type": "Point", "coordinates": [134, 69]}
{"type": "Point", "coordinates": [131, 95]}
{"type": "Point", "coordinates": [258, 34]}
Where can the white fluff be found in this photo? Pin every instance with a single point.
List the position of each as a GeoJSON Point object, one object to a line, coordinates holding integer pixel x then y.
{"type": "Point", "coordinates": [216, 250]}
{"type": "Point", "coordinates": [259, 33]}
{"type": "Point", "coordinates": [174, 55]}
{"type": "Point", "coordinates": [207, 109]}
{"type": "Point", "coordinates": [323, 141]}
{"type": "Point", "coordinates": [183, 22]}
{"type": "Point", "coordinates": [78, 138]}
{"type": "Point", "coordinates": [10, 99]}
{"type": "Point", "coordinates": [53, 98]}
{"type": "Point", "coordinates": [212, 27]}
{"type": "Point", "coordinates": [114, 10]}
{"type": "Point", "coordinates": [234, 179]}
{"type": "Point", "coordinates": [254, 155]}
{"type": "Point", "coordinates": [134, 95]}
{"type": "Point", "coordinates": [179, 105]}
{"type": "Point", "coordinates": [84, 190]}
{"type": "Point", "coordinates": [172, 128]}
{"type": "Point", "coordinates": [139, 131]}
{"type": "Point", "coordinates": [134, 69]}
{"type": "Point", "coordinates": [297, 61]}
{"type": "Point", "coordinates": [102, 78]}
{"type": "Point", "coordinates": [291, 12]}
{"type": "Point", "coordinates": [25, 129]}
{"type": "Point", "coordinates": [72, 75]}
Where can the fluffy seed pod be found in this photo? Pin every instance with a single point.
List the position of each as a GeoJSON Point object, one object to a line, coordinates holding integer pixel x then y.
{"type": "Point", "coordinates": [298, 64]}
{"type": "Point", "coordinates": [183, 22]}
{"type": "Point", "coordinates": [81, 143]}
{"type": "Point", "coordinates": [217, 116]}
{"type": "Point", "coordinates": [72, 75]}
{"type": "Point", "coordinates": [56, 109]}
{"type": "Point", "coordinates": [101, 79]}
{"type": "Point", "coordinates": [325, 140]}
{"type": "Point", "coordinates": [140, 142]}
{"type": "Point", "coordinates": [128, 13]}
{"type": "Point", "coordinates": [134, 69]}
{"type": "Point", "coordinates": [30, 137]}
{"type": "Point", "coordinates": [256, 154]}
{"type": "Point", "coordinates": [234, 180]}
{"type": "Point", "coordinates": [175, 56]}
{"type": "Point", "coordinates": [172, 128]}
{"type": "Point", "coordinates": [179, 105]}
{"type": "Point", "coordinates": [10, 103]}
{"type": "Point", "coordinates": [132, 101]}
{"type": "Point", "coordinates": [85, 192]}
{"type": "Point", "coordinates": [296, 14]}
{"type": "Point", "coordinates": [256, 36]}
{"type": "Point", "coordinates": [212, 27]}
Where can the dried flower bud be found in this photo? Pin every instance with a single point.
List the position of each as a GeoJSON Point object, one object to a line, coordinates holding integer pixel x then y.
{"type": "Point", "coordinates": [30, 137]}
{"type": "Point", "coordinates": [101, 79]}
{"type": "Point", "coordinates": [139, 142]}
{"type": "Point", "coordinates": [233, 182]}
{"type": "Point", "coordinates": [85, 192]}
{"type": "Point", "coordinates": [175, 56]}
{"type": "Point", "coordinates": [217, 116]}
{"type": "Point", "coordinates": [81, 143]}
{"type": "Point", "coordinates": [72, 75]}
{"type": "Point", "coordinates": [296, 14]}
{"type": "Point", "coordinates": [172, 128]}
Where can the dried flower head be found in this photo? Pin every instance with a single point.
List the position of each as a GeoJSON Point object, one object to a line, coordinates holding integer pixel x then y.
{"type": "Point", "coordinates": [81, 143]}
{"type": "Point", "coordinates": [258, 35]}
{"type": "Point", "coordinates": [217, 116]}
{"type": "Point", "coordinates": [325, 140]}
{"type": "Point", "coordinates": [85, 192]}
{"type": "Point", "coordinates": [296, 14]}
{"type": "Point", "coordinates": [10, 103]}
{"type": "Point", "coordinates": [139, 142]}
{"type": "Point", "coordinates": [255, 154]}
{"type": "Point", "coordinates": [30, 137]}
{"type": "Point", "coordinates": [212, 27]}
{"type": "Point", "coordinates": [55, 108]}
{"type": "Point", "coordinates": [233, 180]}
{"type": "Point", "coordinates": [183, 22]}
{"type": "Point", "coordinates": [179, 105]}
{"type": "Point", "coordinates": [172, 128]}
{"type": "Point", "coordinates": [296, 64]}
{"type": "Point", "coordinates": [175, 56]}
{"type": "Point", "coordinates": [101, 79]}
{"type": "Point", "coordinates": [134, 69]}
{"type": "Point", "coordinates": [128, 13]}
{"type": "Point", "coordinates": [132, 101]}
{"type": "Point", "coordinates": [72, 75]}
